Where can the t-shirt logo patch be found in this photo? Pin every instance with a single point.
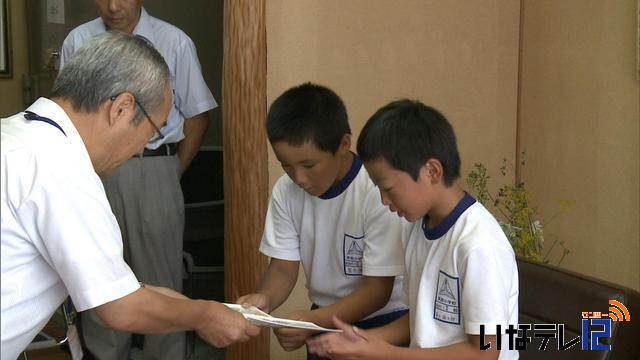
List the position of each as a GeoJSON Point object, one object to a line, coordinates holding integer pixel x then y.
{"type": "Point", "coordinates": [352, 251]}
{"type": "Point", "coordinates": [446, 307]}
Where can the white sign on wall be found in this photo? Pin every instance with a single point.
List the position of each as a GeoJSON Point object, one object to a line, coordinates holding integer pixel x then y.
{"type": "Point", "coordinates": [55, 11]}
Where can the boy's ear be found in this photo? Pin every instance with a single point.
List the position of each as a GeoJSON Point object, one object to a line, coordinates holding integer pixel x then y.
{"type": "Point", "coordinates": [433, 170]}
{"type": "Point", "coordinates": [345, 143]}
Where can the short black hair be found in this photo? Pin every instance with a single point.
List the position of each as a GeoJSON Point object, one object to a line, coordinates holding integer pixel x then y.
{"type": "Point", "coordinates": [407, 133]}
{"type": "Point", "coordinates": [308, 112]}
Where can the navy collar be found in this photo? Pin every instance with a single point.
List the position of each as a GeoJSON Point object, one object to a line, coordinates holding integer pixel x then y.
{"type": "Point", "coordinates": [340, 187]}
{"type": "Point", "coordinates": [442, 228]}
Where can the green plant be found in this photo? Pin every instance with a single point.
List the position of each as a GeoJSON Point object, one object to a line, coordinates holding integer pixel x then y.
{"type": "Point", "coordinates": [517, 216]}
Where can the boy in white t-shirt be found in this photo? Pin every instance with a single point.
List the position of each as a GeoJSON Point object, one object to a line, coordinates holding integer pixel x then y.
{"type": "Point", "coordinates": [460, 270]}
{"type": "Point", "coordinates": [326, 214]}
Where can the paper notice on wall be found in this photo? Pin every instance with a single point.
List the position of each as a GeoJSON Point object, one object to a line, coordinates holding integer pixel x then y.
{"type": "Point", "coordinates": [55, 11]}
{"type": "Point", "coordinates": [260, 318]}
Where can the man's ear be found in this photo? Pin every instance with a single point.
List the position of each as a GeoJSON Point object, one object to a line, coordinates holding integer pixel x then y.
{"type": "Point", "coordinates": [122, 107]}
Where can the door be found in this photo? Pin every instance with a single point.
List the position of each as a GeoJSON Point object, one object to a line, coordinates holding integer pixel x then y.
{"type": "Point", "coordinates": [48, 23]}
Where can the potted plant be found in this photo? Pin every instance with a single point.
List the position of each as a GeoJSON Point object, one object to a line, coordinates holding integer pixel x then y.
{"type": "Point", "coordinates": [512, 206]}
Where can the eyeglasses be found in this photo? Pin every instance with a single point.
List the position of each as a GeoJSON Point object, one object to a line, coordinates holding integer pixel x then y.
{"type": "Point", "coordinates": [146, 114]}
{"type": "Point", "coordinates": [159, 133]}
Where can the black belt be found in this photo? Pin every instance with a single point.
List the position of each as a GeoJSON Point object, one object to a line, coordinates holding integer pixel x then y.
{"type": "Point", "coordinates": [163, 150]}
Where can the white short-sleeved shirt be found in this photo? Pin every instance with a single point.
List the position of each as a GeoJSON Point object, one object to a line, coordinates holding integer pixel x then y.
{"type": "Point", "coordinates": [339, 237]}
{"type": "Point", "coordinates": [191, 96]}
{"type": "Point", "coordinates": [58, 234]}
{"type": "Point", "coordinates": [459, 275]}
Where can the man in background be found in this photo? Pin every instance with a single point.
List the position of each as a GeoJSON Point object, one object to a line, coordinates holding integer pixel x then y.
{"type": "Point", "coordinates": [145, 192]}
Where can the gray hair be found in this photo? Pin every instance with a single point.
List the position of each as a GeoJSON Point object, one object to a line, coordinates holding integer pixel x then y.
{"type": "Point", "coordinates": [108, 65]}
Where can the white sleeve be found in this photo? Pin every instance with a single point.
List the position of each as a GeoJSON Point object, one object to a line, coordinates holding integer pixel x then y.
{"type": "Point", "coordinates": [486, 279]}
{"type": "Point", "coordinates": [192, 96]}
{"type": "Point", "coordinates": [281, 239]}
{"type": "Point", "coordinates": [69, 218]}
{"type": "Point", "coordinates": [383, 255]}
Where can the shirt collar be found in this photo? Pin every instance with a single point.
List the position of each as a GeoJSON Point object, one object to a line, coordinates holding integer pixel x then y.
{"type": "Point", "coordinates": [340, 187]}
{"type": "Point", "coordinates": [439, 230]}
{"type": "Point", "coordinates": [144, 25]}
{"type": "Point", "coordinates": [48, 108]}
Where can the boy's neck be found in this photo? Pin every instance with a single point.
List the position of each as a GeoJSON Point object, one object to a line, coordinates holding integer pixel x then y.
{"type": "Point", "coordinates": [449, 199]}
{"type": "Point", "coordinates": [346, 161]}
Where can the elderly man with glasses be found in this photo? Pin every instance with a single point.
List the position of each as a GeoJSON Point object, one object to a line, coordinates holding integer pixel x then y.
{"type": "Point", "coordinates": [59, 236]}
{"type": "Point", "coordinates": [145, 193]}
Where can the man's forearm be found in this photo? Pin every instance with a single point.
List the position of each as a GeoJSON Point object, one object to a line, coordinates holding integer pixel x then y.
{"type": "Point", "coordinates": [194, 130]}
{"type": "Point", "coordinates": [166, 291]}
{"type": "Point", "coordinates": [150, 312]}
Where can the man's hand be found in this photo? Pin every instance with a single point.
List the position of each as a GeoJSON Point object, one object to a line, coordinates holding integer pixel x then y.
{"type": "Point", "coordinates": [258, 300]}
{"type": "Point", "coordinates": [225, 327]}
{"type": "Point", "coordinates": [291, 339]}
{"type": "Point", "coordinates": [194, 129]}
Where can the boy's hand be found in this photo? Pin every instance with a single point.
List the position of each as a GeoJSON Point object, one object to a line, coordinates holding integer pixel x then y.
{"type": "Point", "coordinates": [351, 344]}
{"type": "Point", "coordinates": [258, 300]}
{"type": "Point", "coordinates": [291, 339]}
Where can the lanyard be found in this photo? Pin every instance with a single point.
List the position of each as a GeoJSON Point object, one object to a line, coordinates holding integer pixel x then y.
{"type": "Point", "coordinates": [33, 116]}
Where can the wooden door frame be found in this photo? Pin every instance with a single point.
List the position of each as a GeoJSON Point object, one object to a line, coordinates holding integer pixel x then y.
{"type": "Point", "coordinates": [246, 180]}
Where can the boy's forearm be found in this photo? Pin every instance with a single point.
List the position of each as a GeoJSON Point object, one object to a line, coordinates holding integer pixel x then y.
{"type": "Point", "coordinates": [370, 296]}
{"type": "Point", "coordinates": [395, 333]}
{"type": "Point", "coordinates": [278, 281]}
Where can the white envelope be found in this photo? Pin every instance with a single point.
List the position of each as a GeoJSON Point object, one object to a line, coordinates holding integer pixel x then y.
{"type": "Point", "coordinates": [261, 318]}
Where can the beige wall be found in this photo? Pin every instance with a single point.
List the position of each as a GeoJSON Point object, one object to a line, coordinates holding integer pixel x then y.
{"type": "Point", "coordinates": [580, 100]}
{"type": "Point", "coordinates": [580, 127]}
{"type": "Point", "coordinates": [11, 89]}
{"type": "Point", "coordinates": [458, 56]}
